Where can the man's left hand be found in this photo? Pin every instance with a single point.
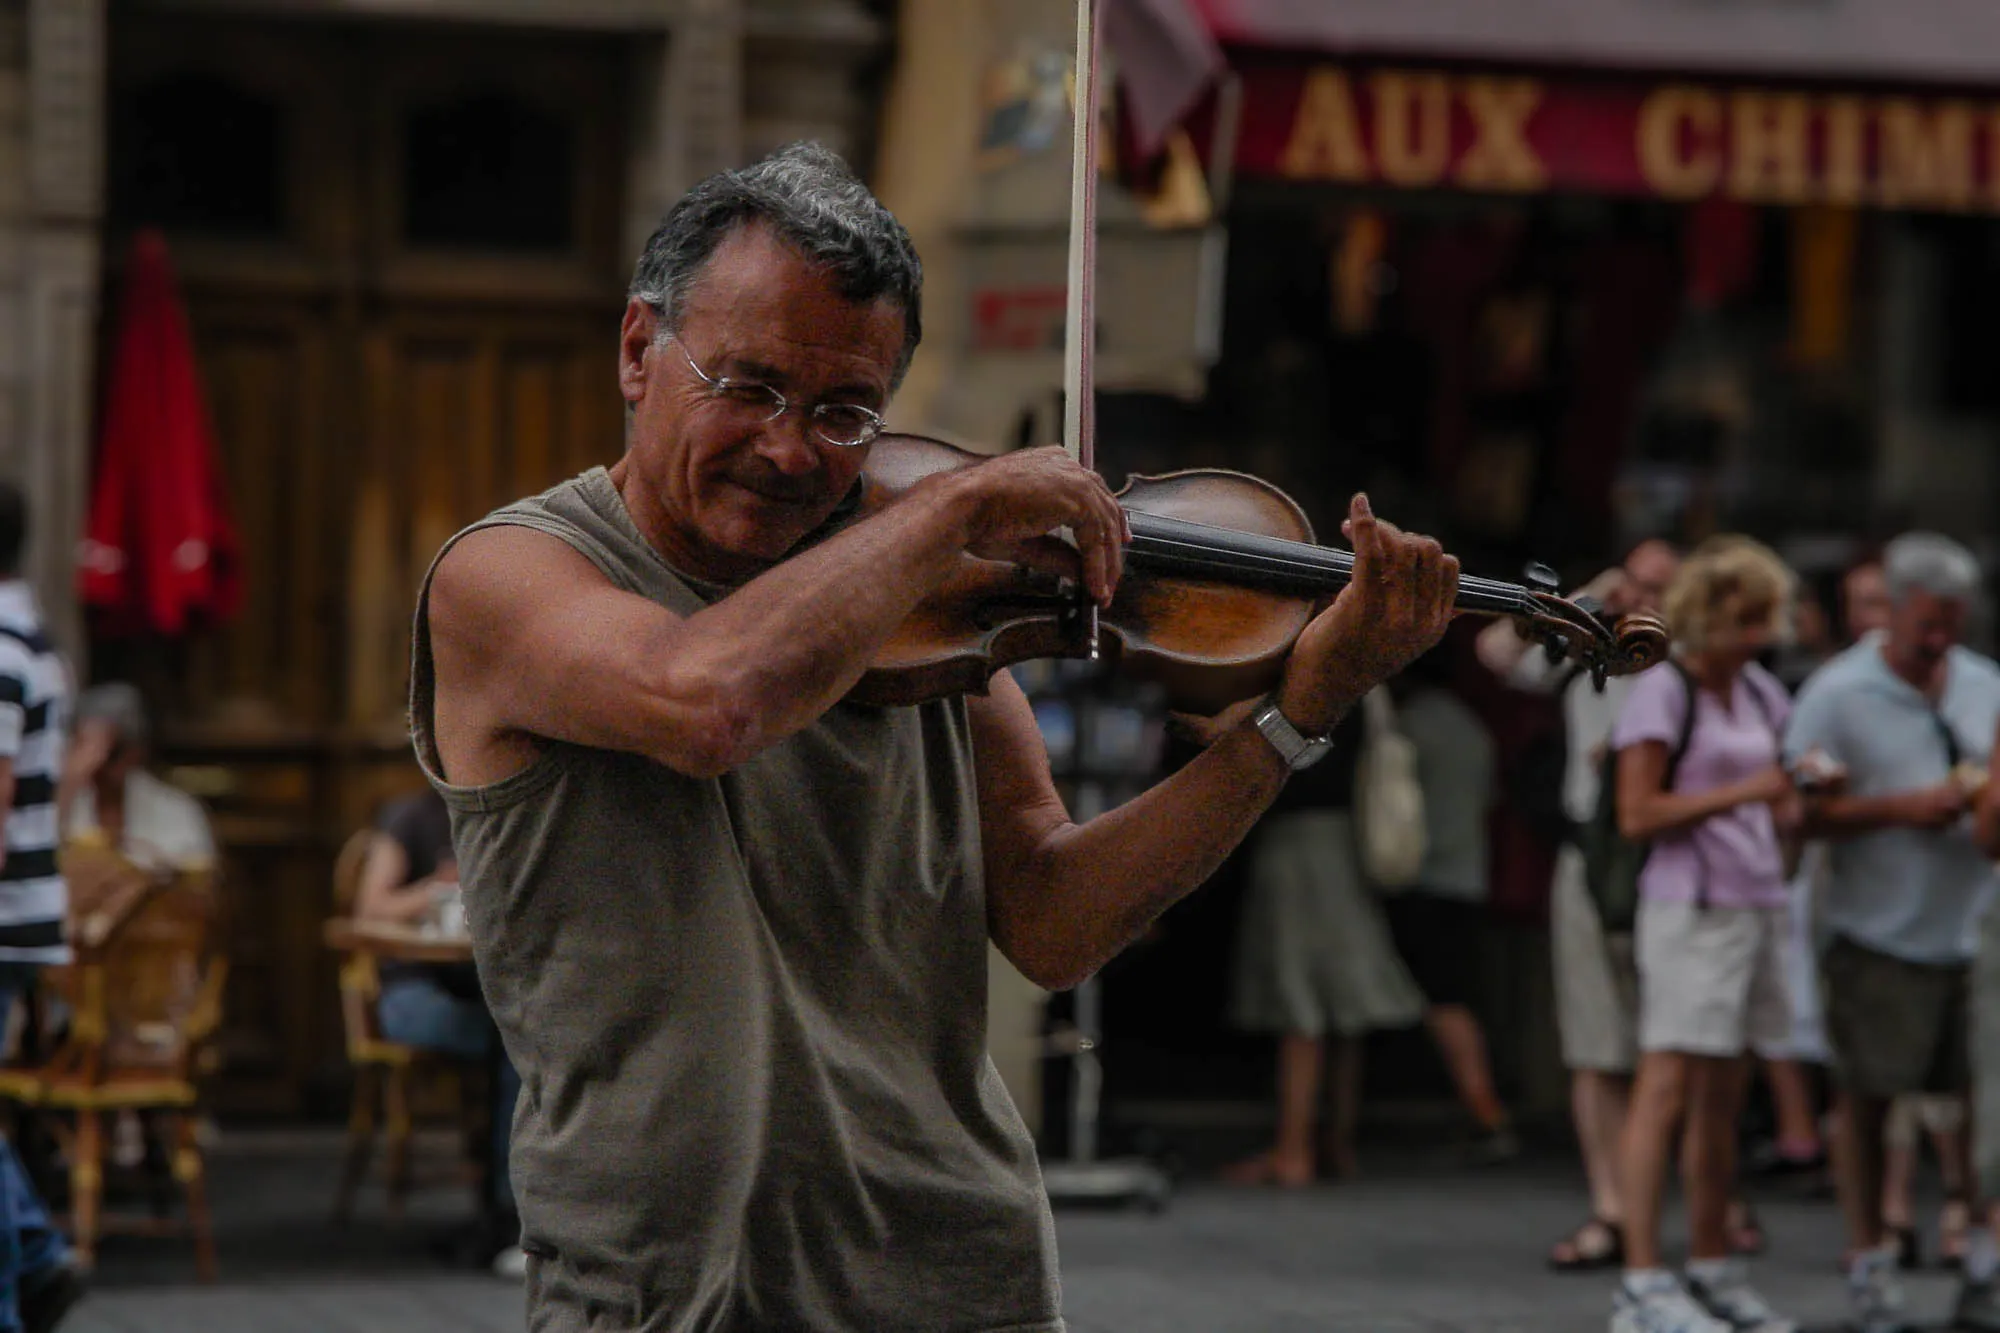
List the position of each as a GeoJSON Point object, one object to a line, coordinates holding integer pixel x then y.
{"type": "Point", "coordinates": [1394, 609]}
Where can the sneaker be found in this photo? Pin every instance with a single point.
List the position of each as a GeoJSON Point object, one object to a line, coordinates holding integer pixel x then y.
{"type": "Point", "coordinates": [1876, 1294]}
{"type": "Point", "coordinates": [1978, 1308]}
{"type": "Point", "coordinates": [1729, 1296]}
{"type": "Point", "coordinates": [1661, 1307]}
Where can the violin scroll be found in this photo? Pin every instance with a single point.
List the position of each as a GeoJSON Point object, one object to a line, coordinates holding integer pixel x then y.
{"type": "Point", "coordinates": [1577, 630]}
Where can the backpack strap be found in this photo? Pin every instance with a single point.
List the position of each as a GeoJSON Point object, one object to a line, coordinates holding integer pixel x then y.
{"type": "Point", "coordinates": [1686, 734]}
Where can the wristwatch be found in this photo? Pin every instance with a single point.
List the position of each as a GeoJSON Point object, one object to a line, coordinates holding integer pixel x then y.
{"type": "Point", "coordinates": [1297, 750]}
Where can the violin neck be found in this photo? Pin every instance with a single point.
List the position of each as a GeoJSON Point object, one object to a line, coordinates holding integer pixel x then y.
{"type": "Point", "coordinates": [1176, 547]}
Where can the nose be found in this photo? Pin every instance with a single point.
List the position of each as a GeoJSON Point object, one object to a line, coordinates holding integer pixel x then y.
{"type": "Point", "coordinates": [787, 444]}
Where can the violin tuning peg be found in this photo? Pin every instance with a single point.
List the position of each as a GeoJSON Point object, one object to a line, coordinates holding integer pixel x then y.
{"type": "Point", "coordinates": [1540, 577]}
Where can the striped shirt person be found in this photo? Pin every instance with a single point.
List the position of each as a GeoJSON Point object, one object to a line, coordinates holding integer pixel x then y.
{"type": "Point", "coordinates": [34, 708]}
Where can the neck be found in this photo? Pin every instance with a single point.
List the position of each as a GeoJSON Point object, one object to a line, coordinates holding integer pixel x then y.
{"type": "Point", "coordinates": [1924, 677]}
{"type": "Point", "coordinates": [664, 536]}
{"type": "Point", "coordinates": [1712, 671]}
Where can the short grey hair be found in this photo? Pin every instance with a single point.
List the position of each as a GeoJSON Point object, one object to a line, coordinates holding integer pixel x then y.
{"type": "Point", "coordinates": [1928, 562]}
{"type": "Point", "coordinates": [120, 705]}
{"type": "Point", "coordinates": [816, 204]}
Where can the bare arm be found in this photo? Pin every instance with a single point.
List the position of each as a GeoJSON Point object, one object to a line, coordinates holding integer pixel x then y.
{"type": "Point", "coordinates": [1064, 898]}
{"type": "Point", "coordinates": [1647, 810]}
{"type": "Point", "coordinates": [384, 895]}
{"type": "Point", "coordinates": [1933, 808]}
{"type": "Point", "coordinates": [530, 640]}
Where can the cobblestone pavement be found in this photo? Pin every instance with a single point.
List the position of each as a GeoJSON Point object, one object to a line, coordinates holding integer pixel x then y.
{"type": "Point", "coordinates": [1405, 1251]}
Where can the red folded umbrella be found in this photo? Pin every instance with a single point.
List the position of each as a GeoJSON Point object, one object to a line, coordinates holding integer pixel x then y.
{"type": "Point", "coordinates": [159, 554]}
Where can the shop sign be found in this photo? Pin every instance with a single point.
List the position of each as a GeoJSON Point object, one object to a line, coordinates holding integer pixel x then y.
{"type": "Point", "coordinates": [1681, 139]}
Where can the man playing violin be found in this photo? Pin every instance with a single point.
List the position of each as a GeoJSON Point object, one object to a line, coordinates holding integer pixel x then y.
{"type": "Point", "coordinates": [733, 929]}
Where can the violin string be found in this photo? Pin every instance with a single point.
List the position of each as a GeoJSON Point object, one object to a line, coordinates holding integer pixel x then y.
{"type": "Point", "coordinates": [1193, 559]}
{"type": "Point", "coordinates": [1220, 546]}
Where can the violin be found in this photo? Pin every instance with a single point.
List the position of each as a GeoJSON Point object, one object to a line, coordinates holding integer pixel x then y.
{"type": "Point", "coordinates": [1221, 576]}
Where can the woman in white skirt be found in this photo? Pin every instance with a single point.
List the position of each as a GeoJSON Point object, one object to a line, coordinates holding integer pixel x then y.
{"type": "Point", "coordinates": [1314, 965]}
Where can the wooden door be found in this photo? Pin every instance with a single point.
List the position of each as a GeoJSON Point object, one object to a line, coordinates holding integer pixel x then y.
{"type": "Point", "coordinates": [404, 288]}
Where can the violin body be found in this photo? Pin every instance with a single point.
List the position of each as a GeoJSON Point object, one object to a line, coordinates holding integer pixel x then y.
{"type": "Point", "coordinates": [1209, 643]}
{"type": "Point", "coordinates": [1221, 577]}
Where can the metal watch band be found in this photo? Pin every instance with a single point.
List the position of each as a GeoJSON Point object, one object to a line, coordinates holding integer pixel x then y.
{"type": "Point", "coordinates": [1295, 748]}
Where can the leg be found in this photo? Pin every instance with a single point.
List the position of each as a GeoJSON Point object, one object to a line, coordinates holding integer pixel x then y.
{"type": "Point", "coordinates": [1301, 1061]}
{"type": "Point", "coordinates": [1716, 1086]}
{"type": "Point", "coordinates": [1791, 1096]}
{"type": "Point", "coordinates": [1658, 1099]}
{"type": "Point", "coordinates": [1290, 1160]}
{"type": "Point", "coordinates": [1346, 1061]}
{"type": "Point", "coordinates": [1899, 1162]}
{"type": "Point", "coordinates": [1859, 1171]}
{"type": "Point", "coordinates": [1945, 1118]}
{"type": "Point", "coordinates": [1598, 1100]}
{"type": "Point", "coordinates": [1456, 1033]}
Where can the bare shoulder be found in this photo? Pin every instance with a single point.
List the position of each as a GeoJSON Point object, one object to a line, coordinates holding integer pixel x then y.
{"type": "Point", "coordinates": [492, 577]}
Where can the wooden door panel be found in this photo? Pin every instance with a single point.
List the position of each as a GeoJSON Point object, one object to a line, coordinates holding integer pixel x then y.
{"type": "Point", "coordinates": [268, 386]}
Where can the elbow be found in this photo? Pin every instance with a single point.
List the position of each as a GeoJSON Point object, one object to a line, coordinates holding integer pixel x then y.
{"type": "Point", "coordinates": [711, 726]}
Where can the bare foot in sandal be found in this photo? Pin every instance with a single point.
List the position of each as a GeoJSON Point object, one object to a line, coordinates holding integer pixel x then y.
{"type": "Point", "coordinates": [1595, 1245]}
{"type": "Point", "coordinates": [1271, 1168]}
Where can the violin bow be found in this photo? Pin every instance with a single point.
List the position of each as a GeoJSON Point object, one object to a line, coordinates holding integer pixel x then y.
{"type": "Point", "coordinates": [1080, 316]}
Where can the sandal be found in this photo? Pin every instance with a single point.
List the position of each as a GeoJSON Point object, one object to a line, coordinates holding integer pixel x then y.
{"type": "Point", "coordinates": [1954, 1229]}
{"type": "Point", "coordinates": [1595, 1245]}
{"type": "Point", "coordinates": [1746, 1233]}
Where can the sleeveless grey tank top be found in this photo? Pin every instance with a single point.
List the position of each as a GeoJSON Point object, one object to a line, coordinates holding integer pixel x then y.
{"type": "Point", "coordinates": [749, 1015]}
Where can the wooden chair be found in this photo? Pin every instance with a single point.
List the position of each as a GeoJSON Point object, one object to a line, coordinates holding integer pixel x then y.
{"type": "Point", "coordinates": [145, 999]}
{"type": "Point", "coordinates": [386, 1073]}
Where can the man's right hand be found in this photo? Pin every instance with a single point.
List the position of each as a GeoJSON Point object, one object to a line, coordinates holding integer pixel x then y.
{"type": "Point", "coordinates": [1015, 501]}
{"type": "Point", "coordinates": [1934, 808]}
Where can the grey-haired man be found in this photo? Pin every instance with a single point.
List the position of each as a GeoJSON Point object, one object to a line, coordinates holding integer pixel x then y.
{"type": "Point", "coordinates": [1909, 714]}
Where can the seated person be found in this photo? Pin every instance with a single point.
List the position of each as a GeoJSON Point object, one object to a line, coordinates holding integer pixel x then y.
{"type": "Point", "coordinates": [408, 879]}
{"type": "Point", "coordinates": [107, 794]}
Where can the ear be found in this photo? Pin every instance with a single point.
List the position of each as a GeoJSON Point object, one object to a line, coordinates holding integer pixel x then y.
{"type": "Point", "coordinates": [635, 345]}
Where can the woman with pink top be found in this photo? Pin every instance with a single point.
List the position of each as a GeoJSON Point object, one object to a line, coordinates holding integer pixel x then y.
{"type": "Point", "coordinates": [1706, 788]}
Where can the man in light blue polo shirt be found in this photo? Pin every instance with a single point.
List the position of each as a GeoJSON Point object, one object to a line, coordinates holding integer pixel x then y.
{"type": "Point", "coordinates": [1904, 713]}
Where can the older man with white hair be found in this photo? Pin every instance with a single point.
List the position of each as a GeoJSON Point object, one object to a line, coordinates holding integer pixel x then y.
{"type": "Point", "coordinates": [1910, 716]}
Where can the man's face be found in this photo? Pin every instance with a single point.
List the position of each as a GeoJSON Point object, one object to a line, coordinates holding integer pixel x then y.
{"type": "Point", "coordinates": [1648, 571]}
{"type": "Point", "coordinates": [1864, 597]}
{"type": "Point", "coordinates": [726, 491]}
{"type": "Point", "coordinates": [1923, 628]}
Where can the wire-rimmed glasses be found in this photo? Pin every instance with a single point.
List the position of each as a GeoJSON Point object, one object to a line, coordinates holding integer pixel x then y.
{"type": "Point", "coordinates": [843, 425]}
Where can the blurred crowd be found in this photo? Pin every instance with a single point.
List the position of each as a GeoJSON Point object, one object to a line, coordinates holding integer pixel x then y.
{"type": "Point", "coordinates": [1777, 850]}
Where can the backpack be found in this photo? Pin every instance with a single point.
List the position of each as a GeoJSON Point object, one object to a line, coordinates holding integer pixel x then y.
{"type": "Point", "coordinates": [1612, 863]}
{"type": "Point", "coordinates": [1388, 799]}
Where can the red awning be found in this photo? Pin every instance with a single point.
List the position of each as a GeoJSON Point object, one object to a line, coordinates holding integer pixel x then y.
{"type": "Point", "coordinates": [160, 554]}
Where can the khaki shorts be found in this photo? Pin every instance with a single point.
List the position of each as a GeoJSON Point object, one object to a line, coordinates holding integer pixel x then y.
{"type": "Point", "coordinates": [1895, 1027]}
{"type": "Point", "coordinates": [1597, 982]}
{"type": "Point", "coordinates": [1712, 979]}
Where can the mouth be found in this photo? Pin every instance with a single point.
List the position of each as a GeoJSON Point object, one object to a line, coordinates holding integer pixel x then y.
{"type": "Point", "coordinates": [788, 497]}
